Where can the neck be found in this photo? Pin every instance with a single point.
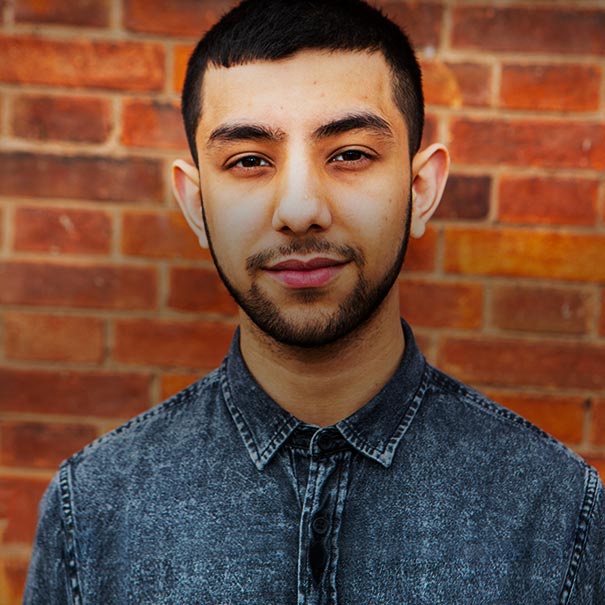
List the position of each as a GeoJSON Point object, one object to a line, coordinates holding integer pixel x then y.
{"type": "Point", "coordinates": [323, 385]}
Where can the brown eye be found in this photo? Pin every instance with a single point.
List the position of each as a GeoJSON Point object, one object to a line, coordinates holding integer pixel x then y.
{"type": "Point", "coordinates": [250, 161]}
{"type": "Point", "coordinates": [350, 155]}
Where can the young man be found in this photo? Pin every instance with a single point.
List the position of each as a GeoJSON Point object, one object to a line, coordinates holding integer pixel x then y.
{"type": "Point", "coordinates": [325, 461]}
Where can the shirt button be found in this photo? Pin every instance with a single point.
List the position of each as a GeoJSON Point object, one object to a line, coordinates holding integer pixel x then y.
{"type": "Point", "coordinates": [320, 525]}
{"type": "Point", "coordinates": [325, 442]}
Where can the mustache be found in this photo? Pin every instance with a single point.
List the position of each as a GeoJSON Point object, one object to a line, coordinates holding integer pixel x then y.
{"type": "Point", "coordinates": [305, 246]}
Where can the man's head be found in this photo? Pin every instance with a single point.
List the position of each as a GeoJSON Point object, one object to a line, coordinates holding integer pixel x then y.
{"type": "Point", "coordinates": [307, 185]}
{"type": "Point", "coordinates": [270, 30]}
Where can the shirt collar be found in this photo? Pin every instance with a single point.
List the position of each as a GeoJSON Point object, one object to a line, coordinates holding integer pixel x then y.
{"type": "Point", "coordinates": [375, 429]}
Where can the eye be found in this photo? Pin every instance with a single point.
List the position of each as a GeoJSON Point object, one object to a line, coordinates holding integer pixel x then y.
{"type": "Point", "coordinates": [350, 156]}
{"type": "Point", "coordinates": [249, 162]}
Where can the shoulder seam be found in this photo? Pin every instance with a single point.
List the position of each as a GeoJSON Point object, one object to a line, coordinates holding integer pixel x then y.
{"type": "Point", "coordinates": [582, 529]}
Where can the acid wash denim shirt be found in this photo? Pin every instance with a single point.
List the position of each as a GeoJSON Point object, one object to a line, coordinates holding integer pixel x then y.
{"type": "Point", "coordinates": [428, 495]}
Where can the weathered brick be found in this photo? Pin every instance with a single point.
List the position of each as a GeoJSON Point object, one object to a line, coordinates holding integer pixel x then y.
{"type": "Point", "coordinates": [173, 17]}
{"type": "Point", "coordinates": [430, 133]}
{"type": "Point", "coordinates": [95, 178]}
{"type": "Point", "coordinates": [529, 29]}
{"type": "Point", "coordinates": [602, 330]}
{"type": "Point", "coordinates": [420, 20]}
{"type": "Point", "coordinates": [560, 87]}
{"type": "Point", "coordinates": [53, 337]}
{"type": "Point", "coordinates": [597, 428]}
{"type": "Point", "coordinates": [13, 573]}
{"type": "Point", "coordinates": [521, 252]}
{"type": "Point", "coordinates": [560, 416]}
{"type": "Point", "coordinates": [102, 394]}
{"type": "Point", "coordinates": [19, 499]}
{"type": "Point", "coordinates": [41, 445]}
{"type": "Point", "coordinates": [465, 197]}
{"type": "Point", "coordinates": [152, 124]}
{"type": "Point", "coordinates": [160, 234]}
{"type": "Point", "coordinates": [509, 362]}
{"type": "Point", "coordinates": [89, 63]}
{"type": "Point", "coordinates": [39, 229]}
{"type": "Point", "coordinates": [542, 309]}
{"type": "Point", "coordinates": [422, 253]}
{"type": "Point", "coordinates": [441, 304]}
{"type": "Point", "coordinates": [92, 13]}
{"type": "Point", "coordinates": [78, 119]}
{"type": "Point", "coordinates": [181, 54]}
{"type": "Point", "coordinates": [90, 286]}
{"type": "Point", "coordinates": [551, 143]}
{"type": "Point", "coordinates": [199, 289]}
{"type": "Point", "coordinates": [171, 384]}
{"type": "Point", "coordinates": [554, 201]}
{"type": "Point", "coordinates": [456, 84]}
{"type": "Point", "coordinates": [190, 344]}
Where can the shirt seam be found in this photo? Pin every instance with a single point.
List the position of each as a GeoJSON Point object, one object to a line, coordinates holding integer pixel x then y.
{"type": "Point", "coordinates": [581, 538]}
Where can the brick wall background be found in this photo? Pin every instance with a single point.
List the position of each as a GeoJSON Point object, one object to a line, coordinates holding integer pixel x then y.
{"type": "Point", "coordinates": [108, 306]}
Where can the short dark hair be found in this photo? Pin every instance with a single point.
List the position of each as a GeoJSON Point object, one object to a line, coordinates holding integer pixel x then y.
{"type": "Point", "coordinates": [257, 30]}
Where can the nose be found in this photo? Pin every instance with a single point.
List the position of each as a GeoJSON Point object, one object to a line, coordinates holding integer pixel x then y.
{"type": "Point", "coordinates": [301, 202]}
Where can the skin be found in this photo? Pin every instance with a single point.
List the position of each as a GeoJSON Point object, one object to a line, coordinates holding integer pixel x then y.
{"type": "Point", "coordinates": [308, 173]}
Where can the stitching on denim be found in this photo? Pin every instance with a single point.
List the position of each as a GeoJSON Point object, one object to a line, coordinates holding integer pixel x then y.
{"type": "Point", "coordinates": [401, 427]}
{"type": "Point", "coordinates": [261, 456]}
{"type": "Point", "coordinates": [582, 530]}
{"type": "Point", "coordinates": [70, 542]}
{"type": "Point", "coordinates": [187, 395]}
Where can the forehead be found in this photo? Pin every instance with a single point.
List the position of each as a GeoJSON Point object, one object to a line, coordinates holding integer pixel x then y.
{"type": "Point", "coordinates": [300, 92]}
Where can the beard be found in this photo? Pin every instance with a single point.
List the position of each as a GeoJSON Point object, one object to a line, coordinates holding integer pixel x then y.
{"type": "Point", "coordinates": [325, 328]}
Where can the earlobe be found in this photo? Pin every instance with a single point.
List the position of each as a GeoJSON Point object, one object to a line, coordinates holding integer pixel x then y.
{"type": "Point", "coordinates": [186, 189]}
{"type": "Point", "coordinates": [429, 173]}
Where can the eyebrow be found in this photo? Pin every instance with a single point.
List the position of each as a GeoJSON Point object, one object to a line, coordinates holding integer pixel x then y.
{"type": "Point", "coordinates": [356, 121]}
{"type": "Point", "coordinates": [244, 132]}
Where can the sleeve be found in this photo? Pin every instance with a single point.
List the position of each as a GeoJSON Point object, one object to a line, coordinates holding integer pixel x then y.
{"type": "Point", "coordinates": [589, 585]}
{"type": "Point", "coordinates": [47, 579]}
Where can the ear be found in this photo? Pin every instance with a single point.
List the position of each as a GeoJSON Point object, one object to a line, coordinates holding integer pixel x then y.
{"type": "Point", "coordinates": [186, 189]}
{"type": "Point", "coordinates": [429, 174]}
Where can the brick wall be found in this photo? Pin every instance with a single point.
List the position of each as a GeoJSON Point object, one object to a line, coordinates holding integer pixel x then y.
{"type": "Point", "coordinates": [108, 306]}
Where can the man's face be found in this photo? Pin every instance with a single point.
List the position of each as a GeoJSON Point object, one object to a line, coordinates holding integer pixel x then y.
{"type": "Point", "coordinates": [305, 181]}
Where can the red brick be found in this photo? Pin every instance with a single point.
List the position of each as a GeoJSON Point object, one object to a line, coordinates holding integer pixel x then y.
{"type": "Point", "coordinates": [422, 252]}
{"type": "Point", "coordinates": [39, 229]}
{"type": "Point", "coordinates": [602, 330]}
{"type": "Point", "coordinates": [153, 124]}
{"type": "Point", "coordinates": [551, 143]}
{"type": "Point", "coordinates": [542, 309]}
{"type": "Point", "coordinates": [456, 84]}
{"type": "Point", "coordinates": [92, 13]}
{"type": "Point", "coordinates": [441, 304]}
{"type": "Point", "coordinates": [551, 87]}
{"type": "Point", "coordinates": [465, 197]}
{"type": "Point", "coordinates": [173, 383]}
{"type": "Point", "coordinates": [190, 344]}
{"type": "Point", "coordinates": [89, 286]}
{"type": "Point", "coordinates": [199, 289]}
{"type": "Point", "coordinates": [53, 337]}
{"type": "Point", "coordinates": [560, 416]}
{"type": "Point", "coordinates": [19, 499]}
{"type": "Point", "coordinates": [95, 178]}
{"type": "Point", "coordinates": [13, 573]}
{"type": "Point", "coordinates": [102, 394]}
{"type": "Point", "coordinates": [181, 55]}
{"type": "Point", "coordinates": [41, 445]}
{"type": "Point", "coordinates": [510, 362]}
{"type": "Point", "coordinates": [172, 17]}
{"type": "Point", "coordinates": [88, 63]}
{"type": "Point", "coordinates": [523, 252]}
{"type": "Point", "coordinates": [554, 201]}
{"type": "Point", "coordinates": [430, 133]}
{"type": "Point", "coordinates": [529, 29]}
{"type": "Point", "coordinates": [78, 119]}
{"type": "Point", "coordinates": [422, 21]}
{"type": "Point", "coordinates": [597, 428]}
{"type": "Point", "coordinates": [160, 235]}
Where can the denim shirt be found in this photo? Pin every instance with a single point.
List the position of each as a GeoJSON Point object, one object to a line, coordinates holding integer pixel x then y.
{"type": "Point", "coordinates": [428, 495]}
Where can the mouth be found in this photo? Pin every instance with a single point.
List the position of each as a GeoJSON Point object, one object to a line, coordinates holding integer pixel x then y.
{"type": "Point", "coordinates": [312, 273]}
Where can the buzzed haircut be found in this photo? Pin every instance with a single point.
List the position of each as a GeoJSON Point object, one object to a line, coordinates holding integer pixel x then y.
{"type": "Point", "coordinates": [269, 30]}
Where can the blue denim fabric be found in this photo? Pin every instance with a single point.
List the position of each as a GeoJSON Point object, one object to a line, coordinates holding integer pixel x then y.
{"type": "Point", "coordinates": [428, 495]}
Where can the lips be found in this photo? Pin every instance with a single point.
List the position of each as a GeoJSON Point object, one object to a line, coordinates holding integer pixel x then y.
{"type": "Point", "coordinates": [312, 273]}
